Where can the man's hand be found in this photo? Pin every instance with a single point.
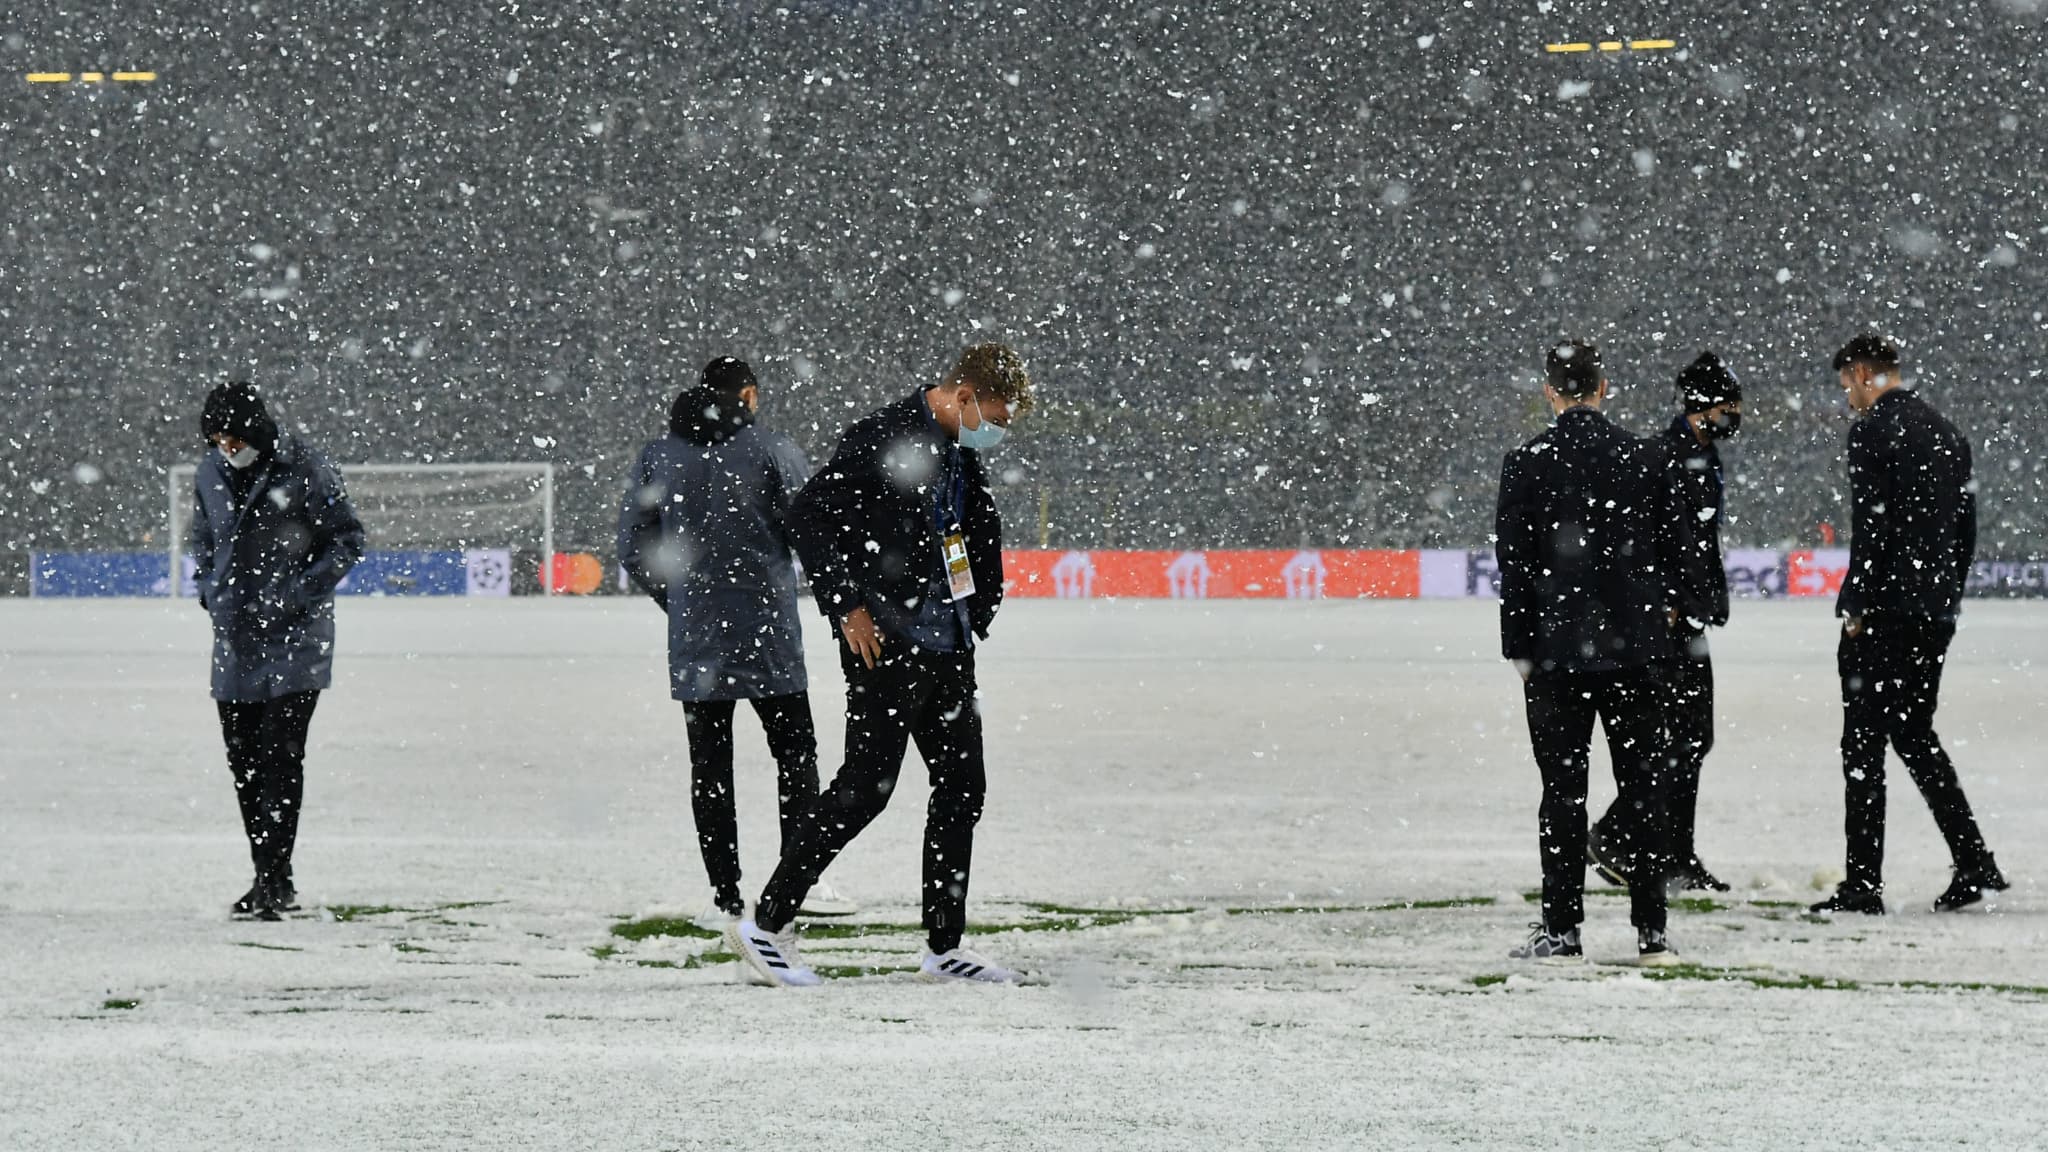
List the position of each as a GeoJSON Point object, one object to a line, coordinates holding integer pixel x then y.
{"type": "Point", "coordinates": [1852, 626]}
{"type": "Point", "coordinates": [861, 636]}
{"type": "Point", "coordinates": [1524, 668]}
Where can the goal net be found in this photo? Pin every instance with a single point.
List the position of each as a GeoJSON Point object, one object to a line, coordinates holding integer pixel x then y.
{"type": "Point", "coordinates": [434, 529]}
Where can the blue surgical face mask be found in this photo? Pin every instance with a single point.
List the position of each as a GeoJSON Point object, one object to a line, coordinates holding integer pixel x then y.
{"type": "Point", "coordinates": [243, 459]}
{"type": "Point", "coordinates": [985, 434]}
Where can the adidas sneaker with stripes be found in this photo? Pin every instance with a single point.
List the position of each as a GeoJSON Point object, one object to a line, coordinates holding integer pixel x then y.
{"type": "Point", "coordinates": [770, 958]}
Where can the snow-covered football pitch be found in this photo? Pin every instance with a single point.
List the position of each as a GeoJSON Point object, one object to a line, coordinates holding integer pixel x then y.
{"type": "Point", "coordinates": [1268, 859]}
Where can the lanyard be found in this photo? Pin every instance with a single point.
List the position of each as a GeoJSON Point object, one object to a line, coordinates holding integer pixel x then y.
{"type": "Point", "coordinates": [958, 507]}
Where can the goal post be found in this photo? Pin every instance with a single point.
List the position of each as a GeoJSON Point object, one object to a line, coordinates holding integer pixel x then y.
{"type": "Point", "coordinates": [419, 519]}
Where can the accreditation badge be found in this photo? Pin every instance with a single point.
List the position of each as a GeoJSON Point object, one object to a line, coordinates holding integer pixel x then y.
{"type": "Point", "coordinates": [959, 573]}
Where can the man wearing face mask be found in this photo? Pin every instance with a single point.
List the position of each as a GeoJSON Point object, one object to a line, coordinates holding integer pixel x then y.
{"type": "Point", "coordinates": [1712, 397]}
{"type": "Point", "coordinates": [273, 533]}
{"type": "Point", "coordinates": [1913, 537]}
{"type": "Point", "coordinates": [704, 531]}
{"type": "Point", "coordinates": [904, 549]}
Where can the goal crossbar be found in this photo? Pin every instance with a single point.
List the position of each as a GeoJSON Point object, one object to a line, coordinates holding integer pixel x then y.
{"type": "Point", "coordinates": [182, 477]}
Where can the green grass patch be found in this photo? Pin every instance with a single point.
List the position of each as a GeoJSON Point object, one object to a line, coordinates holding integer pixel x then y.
{"type": "Point", "coordinates": [350, 913]}
{"type": "Point", "coordinates": [1489, 979]}
{"type": "Point", "coordinates": [1750, 977]}
{"type": "Point", "coordinates": [1420, 905]}
{"type": "Point", "coordinates": [857, 971]}
{"type": "Point", "coordinates": [662, 926]}
{"type": "Point", "coordinates": [1696, 904]}
{"type": "Point", "coordinates": [267, 947]}
{"type": "Point", "coordinates": [1045, 909]}
{"type": "Point", "coordinates": [409, 946]}
{"type": "Point", "coordinates": [119, 1005]}
{"type": "Point", "coordinates": [1967, 986]}
{"type": "Point", "coordinates": [813, 930]}
{"type": "Point", "coordinates": [603, 952]}
{"type": "Point", "coordinates": [1775, 904]}
{"type": "Point", "coordinates": [1302, 910]}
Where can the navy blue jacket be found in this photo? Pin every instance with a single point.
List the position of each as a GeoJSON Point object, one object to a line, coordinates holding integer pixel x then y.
{"type": "Point", "coordinates": [865, 529]}
{"type": "Point", "coordinates": [1913, 511]}
{"type": "Point", "coordinates": [703, 530]}
{"type": "Point", "coordinates": [267, 568]}
{"type": "Point", "coordinates": [1587, 559]}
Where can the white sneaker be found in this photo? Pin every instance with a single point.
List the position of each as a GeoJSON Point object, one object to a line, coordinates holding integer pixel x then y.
{"type": "Point", "coordinates": [964, 966]}
{"type": "Point", "coordinates": [770, 958]}
{"type": "Point", "coordinates": [824, 900]}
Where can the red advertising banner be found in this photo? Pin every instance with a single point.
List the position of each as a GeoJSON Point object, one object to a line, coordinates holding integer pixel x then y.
{"type": "Point", "coordinates": [1816, 573]}
{"type": "Point", "coordinates": [1220, 575]}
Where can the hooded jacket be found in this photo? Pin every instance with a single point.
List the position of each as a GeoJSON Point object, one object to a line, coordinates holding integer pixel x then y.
{"type": "Point", "coordinates": [703, 530]}
{"type": "Point", "coordinates": [270, 544]}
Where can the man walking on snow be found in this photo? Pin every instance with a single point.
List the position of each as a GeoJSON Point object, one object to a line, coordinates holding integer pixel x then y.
{"type": "Point", "coordinates": [1692, 466]}
{"type": "Point", "coordinates": [900, 537]}
{"type": "Point", "coordinates": [1585, 564]}
{"type": "Point", "coordinates": [703, 531]}
{"type": "Point", "coordinates": [1914, 508]}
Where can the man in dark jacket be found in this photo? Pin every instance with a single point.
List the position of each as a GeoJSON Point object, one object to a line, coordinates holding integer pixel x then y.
{"type": "Point", "coordinates": [272, 535]}
{"type": "Point", "coordinates": [1586, 565]}
{"type": "Point", "coordinates": [901, 540]}
{"type": "Point", "coordinates": [704, 531]}
{"type": "Point", "coordinates": [1914, 532]}
{"type": "Point", "coordinates": [1712, 398]}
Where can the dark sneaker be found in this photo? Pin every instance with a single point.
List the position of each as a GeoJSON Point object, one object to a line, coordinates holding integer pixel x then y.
{"type": "Point", "coordinates": [1692, 876]}
{"type": "Point", "coordinates": [247, 905]}
{"type": "Point", "coordinates": [1653, 949]}
{"type": "Point", "coordinates": [1851, 898]}
{"type": "Point", "coordinates": [1547, 947]}
{"type": "Point", "coordinates": [1605, 860]}
{"type": "Point", "coordinates": [1969, 886]}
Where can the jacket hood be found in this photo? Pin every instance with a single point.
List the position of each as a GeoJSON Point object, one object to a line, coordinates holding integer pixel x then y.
{"type": "Point", "coordinates": [237, 409]}
{"type": "Point", "coordinates": [703, 416]}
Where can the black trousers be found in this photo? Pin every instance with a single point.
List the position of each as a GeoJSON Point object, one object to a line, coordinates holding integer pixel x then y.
{"type": "Point", "coordinates": [266, 741]}
{"type": "Point", "coordinates": [1689, 727]}
{"type": "Point", "coordinates": [1891, 684]}
{"type": "Point", "coordinates": [1561, 710]}
{"type": "Point", "coordinates": [910, 695]}
{"type": "Point", "coordinates": [786, 720]}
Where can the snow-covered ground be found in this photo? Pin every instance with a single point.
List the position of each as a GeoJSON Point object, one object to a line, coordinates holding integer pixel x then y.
{"type": "Point", "coordinates": [1207, 823]}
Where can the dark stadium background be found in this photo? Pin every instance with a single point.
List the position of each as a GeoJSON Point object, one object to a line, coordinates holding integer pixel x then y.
{"type": "Point", "coordinates": [1284, 271]}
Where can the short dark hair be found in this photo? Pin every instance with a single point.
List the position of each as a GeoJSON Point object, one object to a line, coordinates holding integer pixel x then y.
{"type": "Point", "coordinates": [727, 377]}
{"type": "Point", "coordinates": [1572, 367]}
{"type": "Point", "coordinates": [1871, 349]}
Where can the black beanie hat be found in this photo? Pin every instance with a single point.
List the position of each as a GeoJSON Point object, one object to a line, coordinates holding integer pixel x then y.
{"type": "Point", "coordinates": [1707, 383]}
{"type": "Point", "coordinates": [236, 409]}
{"type": "Point", "coordinates": [728, 376]}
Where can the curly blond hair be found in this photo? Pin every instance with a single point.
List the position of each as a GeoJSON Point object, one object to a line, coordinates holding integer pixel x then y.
{"type": "Point", "coordinates": [996, 371]}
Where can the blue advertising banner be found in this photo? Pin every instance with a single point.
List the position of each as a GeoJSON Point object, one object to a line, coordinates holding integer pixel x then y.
{"type": "Point", "coordinates": [475, 573]}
